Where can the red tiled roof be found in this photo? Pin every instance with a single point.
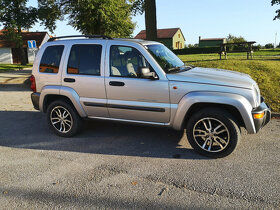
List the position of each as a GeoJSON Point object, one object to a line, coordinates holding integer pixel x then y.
{"type": "Point", "coordinates": [161, 33]}
{"type": "Point", "coordinates": [37, 36]}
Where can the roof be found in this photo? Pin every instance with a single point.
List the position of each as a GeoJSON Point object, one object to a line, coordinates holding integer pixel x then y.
{"type": "Point", "coordinates": [37, 36]}
{"type": "Point", "coordinates": [212, 39]}
{"type": "Point", "coordinates": [161, 33]}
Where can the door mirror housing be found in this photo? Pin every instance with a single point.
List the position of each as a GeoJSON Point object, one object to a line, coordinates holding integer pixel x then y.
{"type": "Point", "coordinates": [147, 74]}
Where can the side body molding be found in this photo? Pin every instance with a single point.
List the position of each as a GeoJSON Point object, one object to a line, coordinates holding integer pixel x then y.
{"type": "Point", "coordinates": [63, 91]}
{"type": "Point", "coordinates": [239, 102]}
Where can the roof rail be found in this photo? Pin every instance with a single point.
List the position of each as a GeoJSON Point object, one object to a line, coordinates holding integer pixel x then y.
{"type": "Point", "coordinates": [76, 36]}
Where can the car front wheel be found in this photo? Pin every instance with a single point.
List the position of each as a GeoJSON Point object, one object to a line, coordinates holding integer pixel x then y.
{"type": "Point", "coordinates": [213, 132]}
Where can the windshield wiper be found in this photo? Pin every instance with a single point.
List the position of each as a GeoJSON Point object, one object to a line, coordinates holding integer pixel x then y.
{"type": "Point", "coordinates": [180, 68]}
{"type": "Point", "coordinates": [175, 69]}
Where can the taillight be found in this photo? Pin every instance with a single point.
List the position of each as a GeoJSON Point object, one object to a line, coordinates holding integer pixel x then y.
{"type": "Point", "coordinates": [33, 83]}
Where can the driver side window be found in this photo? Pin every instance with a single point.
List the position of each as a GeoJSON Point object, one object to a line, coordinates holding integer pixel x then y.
{"type": "Point", "coordinates": [126, 62]}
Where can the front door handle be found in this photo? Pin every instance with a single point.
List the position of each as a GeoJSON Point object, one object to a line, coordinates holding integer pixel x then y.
{"type": "Point", "coordinates": [116, 83]}
{"type": "Point", "coordinates": [69, 80]}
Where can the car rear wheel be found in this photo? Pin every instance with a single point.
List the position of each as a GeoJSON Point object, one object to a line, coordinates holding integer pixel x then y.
{"type": "Point", "coordinates": [213, 132]}
{"type": "Point", "coordinates": [63, 119]}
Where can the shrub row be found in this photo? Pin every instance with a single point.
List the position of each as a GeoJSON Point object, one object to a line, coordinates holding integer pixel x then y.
{"type": "Point", "coordinates": [197, 50]}
{"type": "Point", "coordinates": [205, 50]}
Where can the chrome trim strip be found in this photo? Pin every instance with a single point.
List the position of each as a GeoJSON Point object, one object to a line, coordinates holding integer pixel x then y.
{"type": "Point", "coordinates": [138, 108]}
{"type": "Point", "coordinates": [131, 121]}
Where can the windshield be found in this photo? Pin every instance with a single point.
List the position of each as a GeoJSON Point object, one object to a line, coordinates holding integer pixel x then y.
{"type": "Point", "coordinates": [165, 57]}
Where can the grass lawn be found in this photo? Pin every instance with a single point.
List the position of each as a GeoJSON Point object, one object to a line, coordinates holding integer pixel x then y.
{"type": "Point", "coordinates": [264, 69]}
{"type": "Point", "coordinates": [13, 67]}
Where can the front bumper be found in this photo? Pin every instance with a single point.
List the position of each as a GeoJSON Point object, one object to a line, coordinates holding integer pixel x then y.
{"type": "Point", "coordinates": [35, 100]}
{"type": "Point", "coordinates": [261, 122]}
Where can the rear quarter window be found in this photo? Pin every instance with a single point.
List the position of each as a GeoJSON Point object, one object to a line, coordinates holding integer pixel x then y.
{"type": "Point", "coordinates": [51, 58]}
{"type": "Point", "coordinates": [85, 59]}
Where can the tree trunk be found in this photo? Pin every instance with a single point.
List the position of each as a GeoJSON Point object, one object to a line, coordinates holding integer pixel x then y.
{"type": "Point", "coordinates": [22, 53]}
{"type": "Point", "coordinates": [151, 20]}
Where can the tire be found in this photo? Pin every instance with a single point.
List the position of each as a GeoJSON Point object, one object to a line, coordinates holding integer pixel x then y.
{"type": "Point", "coordinates": [216, 139]}
{"type": "Point", "coordinates": [63, 119]}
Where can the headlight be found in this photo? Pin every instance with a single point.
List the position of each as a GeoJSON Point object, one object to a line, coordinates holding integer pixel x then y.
{"type": "Point", "coordinates": [257, 95]}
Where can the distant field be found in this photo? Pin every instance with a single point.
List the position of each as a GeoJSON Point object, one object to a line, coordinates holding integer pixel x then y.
{"type": "Point", "coordinates": [264, 68]}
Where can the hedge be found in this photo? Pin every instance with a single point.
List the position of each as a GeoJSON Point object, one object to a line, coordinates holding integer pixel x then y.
{"type": "Point", "coordinates": [205, 50]}
{"type": "Point", "coordinates": [197, 50]}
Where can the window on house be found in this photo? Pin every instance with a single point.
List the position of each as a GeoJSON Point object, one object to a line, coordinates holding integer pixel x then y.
{"type": "Point", "coordinates": [179, 35]}
{"type": "Point", "coordinates": [84, 59]}
{"type": "Point", "coordinates": [51, 59]}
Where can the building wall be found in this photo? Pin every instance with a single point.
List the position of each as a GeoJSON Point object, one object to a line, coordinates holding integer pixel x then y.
{"type": "Point", "coordinates": [32, 54]}
{"type": "Point", "coordinates": [46, 38]}
{"type": "Point", "coordinates": [6, 56]}
{"type": "Point", "coordinates": [210, 43]}
{"type": "Point", "coordinates": [166, 42]}
{"type": "Point", "coordinates": [178, 40]}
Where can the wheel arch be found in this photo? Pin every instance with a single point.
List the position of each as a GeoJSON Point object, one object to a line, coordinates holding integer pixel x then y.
{"type": "Point", "coordinates": [236, 105]}
{"type": "Point", "coordinates": [48, 99]}
{"type": "Point", "coordinates": [202, 105]}
{"type": "Point", "coordinates": [52, 93]}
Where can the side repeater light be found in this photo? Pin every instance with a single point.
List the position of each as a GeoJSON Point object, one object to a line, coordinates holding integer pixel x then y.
{"type": "Point", "coordinates": [259, 115]}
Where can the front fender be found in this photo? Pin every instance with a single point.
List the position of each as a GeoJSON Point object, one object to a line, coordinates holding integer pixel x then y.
{"type": "Point", "coordinates": [239, 102]}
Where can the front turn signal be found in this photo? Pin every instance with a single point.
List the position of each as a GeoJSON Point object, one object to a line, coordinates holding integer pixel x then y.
{"type": "Point", "coordinates": [259, 115]}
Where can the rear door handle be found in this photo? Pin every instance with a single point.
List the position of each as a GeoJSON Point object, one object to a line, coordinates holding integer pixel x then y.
{"type": "Point", "coordinates": [116, 83]}
{"type": "Point", "coordinates": [69, 80]}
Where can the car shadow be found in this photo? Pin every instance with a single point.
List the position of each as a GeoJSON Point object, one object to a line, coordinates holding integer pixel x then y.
{"type": "Point", "coordinates": [25, 86]}
{"type": "Point", "coordinates": [29, 130]}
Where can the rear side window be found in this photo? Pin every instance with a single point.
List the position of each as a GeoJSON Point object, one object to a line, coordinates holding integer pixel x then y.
{"type": "Point", "coordinates": [51, 59]}
{"type": "Point", "coordinates": [85, 59]}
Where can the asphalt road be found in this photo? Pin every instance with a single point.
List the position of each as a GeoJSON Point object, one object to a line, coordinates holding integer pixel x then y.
{"type": "Point", "coordinates": [112, 165]}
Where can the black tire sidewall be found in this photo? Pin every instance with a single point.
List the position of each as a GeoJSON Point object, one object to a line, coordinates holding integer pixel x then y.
{"type": "Point", "coordinates": [226, 119]}
{"type": "Point", "coordinates": [75, 117]}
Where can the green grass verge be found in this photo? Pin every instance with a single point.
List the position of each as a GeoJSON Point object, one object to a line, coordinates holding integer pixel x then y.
{"type": "Point", "coordinates": [265, 70]}
{"type": "Point", "coordinates": [13, 67]}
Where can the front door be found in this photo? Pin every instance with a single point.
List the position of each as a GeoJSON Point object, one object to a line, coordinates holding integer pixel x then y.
{"type": "Point", "coordinates": [130, 96]}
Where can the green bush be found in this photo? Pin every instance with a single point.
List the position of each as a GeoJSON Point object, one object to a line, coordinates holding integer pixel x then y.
{"type": "Point", "coordinates": [197, 50]}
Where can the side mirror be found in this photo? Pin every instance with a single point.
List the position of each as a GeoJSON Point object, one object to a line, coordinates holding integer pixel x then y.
{"type": "Point", "coordinates": [147, 74]}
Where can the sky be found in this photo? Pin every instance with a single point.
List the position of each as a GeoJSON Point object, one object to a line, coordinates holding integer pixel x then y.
{"type": "Point", "coordinates": [252, 19]}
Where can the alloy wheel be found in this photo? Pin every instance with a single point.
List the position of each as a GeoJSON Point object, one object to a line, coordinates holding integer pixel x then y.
{"type": "Point", "coordinates": [61, 119]}
{"type": "Point", "coordinates": [211, 134]}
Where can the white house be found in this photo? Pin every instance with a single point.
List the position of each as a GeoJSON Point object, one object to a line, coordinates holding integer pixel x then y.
{"type": "Point", "coordinates": [9, 54]}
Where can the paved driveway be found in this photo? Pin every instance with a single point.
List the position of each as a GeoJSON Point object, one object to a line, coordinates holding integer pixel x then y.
{"type": "Point", "coordinates": [113, 165]}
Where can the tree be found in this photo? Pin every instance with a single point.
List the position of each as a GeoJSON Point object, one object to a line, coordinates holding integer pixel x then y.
{"type": "Point", "coordinates": [276, 2]}
{"type": "Point", "coordinates": [234, 39]}
{"type": "Point", "coordinates": [15, 16]}
{"type": "Point", "coordinates": [149, 7]}
{"type": "Point", "coordinates": [102, 17]}
{"type": "Point", "coordinates": [269, 46]}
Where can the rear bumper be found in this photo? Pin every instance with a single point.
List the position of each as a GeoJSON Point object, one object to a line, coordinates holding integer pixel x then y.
{"type": "Point", "coordinates": [35, 100]}
{"type": "Point", "coordinates": [263, 108]}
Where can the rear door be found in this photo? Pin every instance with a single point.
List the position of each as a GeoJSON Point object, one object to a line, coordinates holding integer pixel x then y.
{"type": "Point", "coordinates": [85, 74]}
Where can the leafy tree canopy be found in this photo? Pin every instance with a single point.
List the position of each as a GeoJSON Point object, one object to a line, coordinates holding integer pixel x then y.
{"type": "Point", "coordinates": [276, 2]}
{"type": "Point", "coordinates": [106, 17]}
{"type": "Point", "coordinates": [234, 39]}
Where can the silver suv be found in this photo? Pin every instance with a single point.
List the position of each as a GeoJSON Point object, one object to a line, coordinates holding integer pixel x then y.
{"type": "Point", "coordinates": [137, 81]}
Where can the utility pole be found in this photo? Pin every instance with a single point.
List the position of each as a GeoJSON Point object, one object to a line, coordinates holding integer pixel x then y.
{"type": "Point", "coordinates": [275, 45]}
